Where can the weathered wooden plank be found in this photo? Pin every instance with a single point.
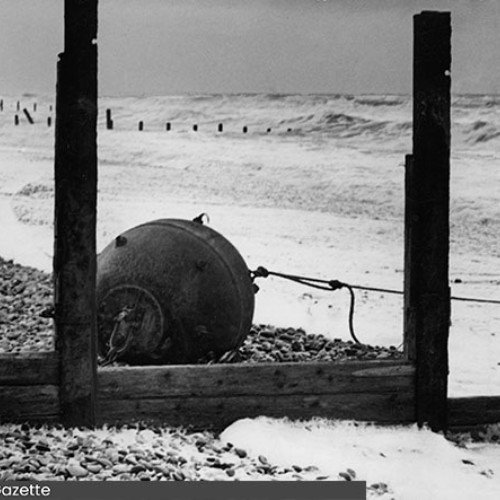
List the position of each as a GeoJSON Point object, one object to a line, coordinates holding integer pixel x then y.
{"type": "Point", "coordinates": [37, 402]}
{"type": "Point", "coordinates": [266, 379]}
{"type": "Point", "coordinates": [473, 411]}
{"type": "Point", "coordinates": [218, 412]}
{"type": "Point", "coordinates": [75, 212]}
{"type": "Point", "coordinates": [30, 368]}
{"type": "Point", "coordinates": [430, 233]}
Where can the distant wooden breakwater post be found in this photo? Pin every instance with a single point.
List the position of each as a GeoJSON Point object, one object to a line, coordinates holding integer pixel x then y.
{"type": "Point", "coordinates": [28, 116]}
{"type": "Point", "coordinates": [61, 385]}
{"type": "Point", "coordinates": [168, 125]}
{"type": "Point", "coordinates": [109, 120]}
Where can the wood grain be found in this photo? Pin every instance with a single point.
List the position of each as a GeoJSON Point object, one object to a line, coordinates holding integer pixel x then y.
{"type": "Point", "coordinates": [33, 403]}
{"type": "Point", "coordinates": [473, 411]}
{"type": "Point", "coordinates": [218, 412]}
{"type": "Point", "coordinates": [264, 379]}
{"type": "Point", "coordinates": [37, 368]}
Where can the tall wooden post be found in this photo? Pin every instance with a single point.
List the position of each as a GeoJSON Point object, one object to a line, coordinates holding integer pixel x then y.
{"type": "Point", "coordinates": [75, 213]}
{"type": "Point", "coordinates": [427, 301]}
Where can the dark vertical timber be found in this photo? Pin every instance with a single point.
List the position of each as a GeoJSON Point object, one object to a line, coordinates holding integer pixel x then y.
{"type": "Point", "coordinates": [411, 218]}
{"type": "Point", "coordinates": [109, 120]}
{"type": "Point", "coordinates": [429, 246]}
{"type": "Point", "coordinates": [28, 116]}
{"type": "Point", "coordinates": [75, 213]}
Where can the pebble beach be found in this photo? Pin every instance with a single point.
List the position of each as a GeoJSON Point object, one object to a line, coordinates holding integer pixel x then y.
{"type": "Point", "coordinates": [135, 453]}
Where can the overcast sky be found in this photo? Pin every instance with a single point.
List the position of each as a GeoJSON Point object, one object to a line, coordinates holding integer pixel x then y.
{"type": "Point", "coordinates": [306, 46]}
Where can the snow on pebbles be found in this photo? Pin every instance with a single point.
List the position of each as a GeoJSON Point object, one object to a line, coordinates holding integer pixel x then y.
{"type": "Point", "coordinates": [134, 453]}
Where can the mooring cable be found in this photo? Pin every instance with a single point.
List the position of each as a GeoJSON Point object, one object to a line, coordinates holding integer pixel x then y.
{"type": "Point", "coordinates": [332, 285]}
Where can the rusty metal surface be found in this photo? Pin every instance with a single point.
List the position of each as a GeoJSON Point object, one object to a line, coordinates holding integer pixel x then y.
{"type": "Point", "coordinates": [178, 288]}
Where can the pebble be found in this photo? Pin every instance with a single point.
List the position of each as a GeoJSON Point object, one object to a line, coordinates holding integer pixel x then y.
{"type": "Point", "coordinates": [345, 476]}
{"type": "Point", "coordinates": [135, 469]}
{"type": "Point", "coordinates": [76, 471]}
{"type": "Point", "coordinates": [120, 468]}
{"type": "Point", "coordinates": [240, 452]}
{"type": "Point", "coordinates": [94, 468]}
{"type": "Point", "coordinates": [104, 462]}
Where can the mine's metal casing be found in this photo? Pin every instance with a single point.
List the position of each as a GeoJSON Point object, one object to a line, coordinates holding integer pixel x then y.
{"type": "Point", "coordinates": [188, 287]}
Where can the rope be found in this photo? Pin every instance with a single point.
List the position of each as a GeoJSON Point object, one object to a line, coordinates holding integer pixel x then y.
{"type": "Point", "coordinates": [332, 285]}
{"type": "Point", "coordinates": [262, 272]}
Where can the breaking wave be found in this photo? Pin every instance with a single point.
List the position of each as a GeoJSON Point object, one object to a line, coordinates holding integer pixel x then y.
{"type": "Point", "coordinates": [475, 118]}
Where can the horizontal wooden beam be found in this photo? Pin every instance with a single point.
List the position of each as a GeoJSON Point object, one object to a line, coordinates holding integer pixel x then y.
{"type": "Point", "coordinates": [29, 368]}
{"type": "Point", "coordinates": [212, 397]}
{"type": "Point", "coordinates": [253, 379]}
{"type": "Point", "coordinates": [218, 412]}
{"type": "Point", "coordinates": [29, 403]}
{"type": "Point", "coordinates": [473, 411]}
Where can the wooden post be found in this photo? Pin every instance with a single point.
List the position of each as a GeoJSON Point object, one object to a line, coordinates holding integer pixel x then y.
{"type": "Point", "coordinates": [220, 127]}
{"type": "Point", "coordinates": [109, 120]}
{"type": "Point", "coordinates": [34, 107]}
{"type": "Point", "coordinates": [49, 121]}
{"type": "Point", "coordinates": [75, 214]}
{"type": "Point", "coordinates": [428, 303]}
{"type": "Point", "coordinates": [140, 126]}
{"type": "Point", "coordinates": [28, 116]}
{"type": "Point", "coordinates": [1, 104]}
{"type": "Point", "coordinates": [168, 126]}
{"type": "Point", "coordinates": [18, 106]}
{"type": "Point", "coordinates": [195, 128]}
{"type": "Point", "coordinates": [245, 129]}
{"type": "Point", "coordinates": [16, 120]}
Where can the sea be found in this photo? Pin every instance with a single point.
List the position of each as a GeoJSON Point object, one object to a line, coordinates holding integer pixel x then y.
{"type": "Point", "coordinates": [377, 119]}
{"type": "Point", "coordinates": [368, 118]}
